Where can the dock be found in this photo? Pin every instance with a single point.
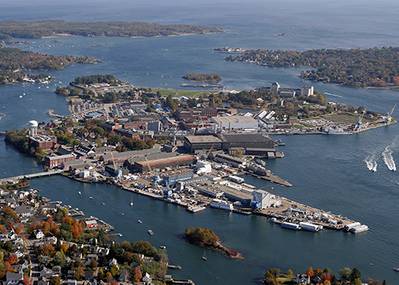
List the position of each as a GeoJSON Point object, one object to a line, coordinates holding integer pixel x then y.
{"type": "Point", "coordinates": [272, 178]}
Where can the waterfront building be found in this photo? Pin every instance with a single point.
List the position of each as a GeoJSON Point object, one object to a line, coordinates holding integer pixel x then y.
{"type": "Point", "coordinates": [307, 91]}
{"type": "Point", "coordinates": [162, 163]}
{"type": "Point", "coordinates": [58, 160]}
{"type": "Point", "coordinates": [246, 140]}
{"type": "Point", "coordinates": [262, 199]}
{"type": "Point", "coordinates": [236, 122]}
{"type": "Point", "coordinates": [43, 142]}
{"type": "Point", "coordinates": [197, 143]}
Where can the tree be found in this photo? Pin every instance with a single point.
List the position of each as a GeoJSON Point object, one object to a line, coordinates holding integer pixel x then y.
{"type": "Point", "coordinates": [345, 273]}
{"type": "Point", "coordinates": [310, 272]}
{"type": "Point", "coordinates": [55, 280]}
{"type": "Point", "coordinates": [137, 274]}
{"type": "Point", "coordinates": [271, 276]}
{"type": "Point", "coordinates": [79, 272]}
{"type": "Point", "coordinates": [355, 274]}
{"type": "Point", "coordinates": [59, 259]}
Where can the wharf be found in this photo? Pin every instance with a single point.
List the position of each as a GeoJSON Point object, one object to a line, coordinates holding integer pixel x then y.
{"type": "Point", "coordinates": [272, 178]}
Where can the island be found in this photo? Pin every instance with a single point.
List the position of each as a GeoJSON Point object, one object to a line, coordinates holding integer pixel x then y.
{"type": "Point", "coordinates": [274, 276]}
{"type": "Point", "coordinates": [372, 67]}
{"type": "Point", "coordinates": [17, 65]}
{"type": "Point", "coordinates": [206, 238]}
{"type": "Point", "coordinates": [39, 29]}
{"type": "Point", "coordinates": [211, 78]}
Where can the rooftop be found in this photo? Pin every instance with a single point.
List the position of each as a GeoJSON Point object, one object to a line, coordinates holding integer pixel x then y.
{"type": "Point", "coordinates": [203, 139]}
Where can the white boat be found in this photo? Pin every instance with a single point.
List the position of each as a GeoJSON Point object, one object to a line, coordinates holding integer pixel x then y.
{"type": "Point", "coordinates": [388, 159]}
{"type": "Point", "coordinates": [310, 227]}
{"type": "Point", "coordinates": [359, 229]}
{"type": "Point", "coordinates": [162, 247]}
{"type": "Point", "coordinates": [396, 269]}
{"type": "Point", "coordinates": [131, 204]}
{"type": "Point", "coordinates": [80, 193]}
{"type": "Point", "coordinates": [150, 232]}
{"type": "Point", "coordinates": [90, 197]}
{"type": "Point", "coordinates": [139, 221]}
{"type": "Point", "coordinates": [221, 204]}
{"type": "Point", "coordinates": [290, 226]}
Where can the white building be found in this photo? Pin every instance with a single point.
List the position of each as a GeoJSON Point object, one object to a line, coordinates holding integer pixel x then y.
{"type": "Point", "coordinates": [262, 199]}
{"type": "Point", "coordinates": [307, 91]}
{"type": "Point", "coordinates": [236, 122]}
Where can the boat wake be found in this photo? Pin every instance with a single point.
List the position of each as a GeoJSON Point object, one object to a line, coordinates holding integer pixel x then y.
{"type": "Point", "coordinates": [371, 163]}
{"type": "Point", "coordinates": [388, 158]}
{"type": "Point", "coordinates": [333, 95]}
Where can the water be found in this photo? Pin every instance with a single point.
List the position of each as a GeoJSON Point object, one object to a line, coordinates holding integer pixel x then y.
{"type": "Point", "coordinates": [328, 172]}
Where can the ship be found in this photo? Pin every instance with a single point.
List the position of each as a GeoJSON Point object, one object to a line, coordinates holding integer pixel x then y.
{"type": "Point", "coordinates": [336, 131]}
{"type": "Point", "coordinates": [222, 204]}
{"type": "Point", "coordinates": [150, 232]}
{"type": "Point", "coordinates": [388, 159]}
{"type": "Point", "coordinates": [290, 226]}
{"type": "Point", "coordinates": [310, 227]}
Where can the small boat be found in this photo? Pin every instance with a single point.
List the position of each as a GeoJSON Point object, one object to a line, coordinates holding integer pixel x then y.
{"type": "Point", "coordinates": [103, 203]}
{"type": "Point", "coordinates": [204, 258]}
{"type": "Point", "coordinates": [150, 232]}
{"type": "Point", "coordinates": [131, 204]}
{"type": "Point", "coordinates": [122, 214]}
{"type": "Point", "coordinates": [396, 269]}
{"type": "Point", "coordinates": [139, 221]}
{"type": "Point", "coordinates": [120, 235]}
{"type": "Point", "coordinates": [80, 193]}
{"type": "Point", "coordinates": [162, 247]}
{"type": "Point", "coordinates": [90, 197]}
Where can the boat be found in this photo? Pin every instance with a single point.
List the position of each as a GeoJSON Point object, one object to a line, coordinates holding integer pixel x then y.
{"type": "Point", "coordinates": [221, 204]}
{"type": "Point", "coordinates": [139, 221]}
{"type": "Point", "coordinates": [359, 229]}
{"type": "Point", "coordinates": [90, 197]}
{"type": "Point", "coordinates": [388, 159]}
{"type": "Point", "coordinates": [122, 214]}
{"type": "Point", "coordinates": [80, 193]}
{"type": "Point", "coordinates": [396, 269]}
{"type": "Point", "coordinates": [310, 227]}
{"type": "Point", "coordinates": [162, 247]}
{"type": "Point", "coordinates": [150, 232]}
{"type": "Point", "coordinates": [204, 258]}
{"type": "Point", "coordinates": [131, 204]}
{"type": "Point", "coordinates": [290, 226]}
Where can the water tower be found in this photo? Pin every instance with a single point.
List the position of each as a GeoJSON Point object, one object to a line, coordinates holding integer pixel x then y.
{"type": "Point", "coordinates": [33, 125]}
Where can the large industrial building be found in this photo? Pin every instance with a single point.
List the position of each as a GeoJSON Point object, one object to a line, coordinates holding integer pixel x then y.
{"type": "Point", "coordinates": [236, 122]}
{"type": "Point", "coordinates": [162, 163]}
{"type": "Point", "coordinates": [198, 143]}
{"type": "Point", "coordinates": [250, 143]}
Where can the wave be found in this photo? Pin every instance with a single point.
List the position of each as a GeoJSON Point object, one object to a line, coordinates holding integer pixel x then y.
{"type": "Point", "coordinates": [371, 163]}
{"type": "Point", "coordinates": [388, 158]}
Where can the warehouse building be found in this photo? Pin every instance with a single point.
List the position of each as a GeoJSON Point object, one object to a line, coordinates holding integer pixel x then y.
{"type": "Point", "coordinates": [162, 163]}
{"type": "Point", "coordinates": [197, 143]}
{"type": "Point", "coordinates": [246, 141]}
{"type": "Point", "coordinates": [236, 122]}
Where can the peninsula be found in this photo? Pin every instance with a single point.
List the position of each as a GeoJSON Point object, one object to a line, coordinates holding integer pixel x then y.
{"type": "Point", "coordinates": [25, 66]}
{"type": "Point", "coordinates": [206, 238]}
{"type": "Point", "coordinates": [39, 29]}
{"type": "Point", "coordinates": [372, 67]}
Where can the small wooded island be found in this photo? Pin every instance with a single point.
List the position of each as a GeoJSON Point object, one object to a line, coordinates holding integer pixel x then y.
{"type": "Point", "coordinates": [17, 65]}
{"type": "Point", "coordinates": [39, 29]}
{"type": "Point", "coordinates": [205, 237]}
{"type": "Point", "coordinates": [372, 67]}
{"type": "Point", "coordinates": [210, 78]}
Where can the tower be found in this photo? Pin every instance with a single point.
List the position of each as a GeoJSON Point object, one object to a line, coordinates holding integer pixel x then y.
{"type": "Point", "coordinates": [33, 125]}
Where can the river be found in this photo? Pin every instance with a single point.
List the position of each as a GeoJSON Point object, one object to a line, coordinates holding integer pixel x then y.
{"type": "Point", "coordinates": [328, 172]}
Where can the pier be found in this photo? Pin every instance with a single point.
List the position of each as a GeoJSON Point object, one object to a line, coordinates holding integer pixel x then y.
{"type": "Point", "coordinates": [32, 175]}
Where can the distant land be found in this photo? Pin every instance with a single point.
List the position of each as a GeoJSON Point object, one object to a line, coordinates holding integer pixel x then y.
{"type": "Point", "coordinates": [17, 65]}
{"type": "Point", "coordinates": [372, 67]}
{"type": "Point", "coordinates": [39, 29]}
{"type": "Point", "coordinates": [211, 78]}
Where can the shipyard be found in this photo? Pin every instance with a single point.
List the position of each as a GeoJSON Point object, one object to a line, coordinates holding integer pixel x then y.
{"type": "Point", "coordinates": [196, 156]}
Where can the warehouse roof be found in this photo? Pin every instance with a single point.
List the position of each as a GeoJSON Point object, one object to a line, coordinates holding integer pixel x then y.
{"type": "Point", "coordinates": [203, 139]}
{"type": "Point", "coordinates": [246, 137]}
{"type": "Point", "coordinates": [237, 119]}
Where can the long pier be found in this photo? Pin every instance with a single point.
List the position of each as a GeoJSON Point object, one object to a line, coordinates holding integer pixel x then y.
{"type": "Point", "coordinates": [32, 175]}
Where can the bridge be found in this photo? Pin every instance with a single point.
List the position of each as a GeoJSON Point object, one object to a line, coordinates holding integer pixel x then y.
{"type": "Point", "coordinates": [32, 175]}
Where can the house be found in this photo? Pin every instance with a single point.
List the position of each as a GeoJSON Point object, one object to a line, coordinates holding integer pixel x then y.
{"type": "Point", "coordinates": [38, 234]}
{"type": "Point", "coordinates": [147, 280]}
{"type": "Point", "coordinates": [14, 278]}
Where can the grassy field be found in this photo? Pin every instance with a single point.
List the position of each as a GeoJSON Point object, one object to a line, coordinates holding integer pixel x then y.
{"type": "Point", "coordinates": [180, 92]}
{"type": "Point", "coordinates": [343, 118]}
